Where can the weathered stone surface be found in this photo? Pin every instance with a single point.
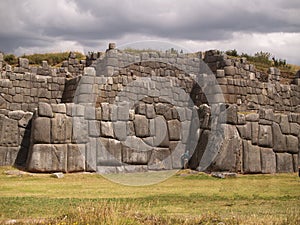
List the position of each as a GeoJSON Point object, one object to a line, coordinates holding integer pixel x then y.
{"type": "Point", "coordinates": [16, 115]}
{"type": "Point", "coordinates": [123, 111]}
{"type": "Point", "coordinates": [45, 109]}
{"type": "Point", "coordinates": [251, 158]}
{"type": "Point", "coordinates": [47, 158]}
{"type": "Point", "coordinates": [91, 155]}
{"type": "Point", "coordinates": [8, 155]}
{"type": "Point", "coordinates": [107, 129]}
{"type": "Point", "coordinates": [59, 108]}
{"type": "Point", "coordinates": [161, 137]}
{"type": "Point", "coordinates": [268, 160]}
{"type": "Point", "coordinates": [105, 111]}
{"type": "Point", "coordinates": [160, 159]}
{"type": "Point", "coordinates": [231, 113]}
{"type": "Point", "coordinates": [135, 157]}
{"type": "Point", "coordinates": [252, 117]}
{"type": "Point", "coordinates": [76, 157]}
{"type": "Point", "coordinates": [109, 152]}
{"type": "Point", "coordinates": [245, 131]}
{"type": "Point", "coordinates": [295, 129]}
{"type": "Point", "coordinates": [9, 133]}
{"type": "Point", "coordinates": [25, 120]}
{"type": "Point", "coordinates": [80, 130]}
{"type": "Point", "coordinates": [24, 63]}
{"type": "Point", "coordinates": [284, 124]}
{"type": "Point", "coordinates": [150, 112]}
{"type": "Point", "coordinates": [279, 139]}
{"type": "Point", "coordinates": [61, 129]}
{"type": "Point", "coordinates": [292, 144]}
{"type": "Point", "coordinates": [120, 130]}
{"type": "Point", "coordinates": [41, 127]}
{"type": "Point", "coordinates": [94, 128]}
{"type": "Point", "coordinates": [254, 132]}
{"type": "Point", "coordinates": [229, 70]}
{"type": "Point", "coordinates": [296, 162]}
{"type": "Point", "coordinates": [141, 125]}
{"type": "Point", "coordinates": [177, 149]}
{"type": "Point", "coordinates": [284, 162]}
{"type": "Point", "coordinates": [174, 128]}
{"type": "Point", "coordinates": [229, 155]}
{"type": "Point", "coordinates": [265, 137]}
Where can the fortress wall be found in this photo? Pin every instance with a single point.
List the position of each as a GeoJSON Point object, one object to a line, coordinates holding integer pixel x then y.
{"type": "Point", "coordinates": [261, 133]}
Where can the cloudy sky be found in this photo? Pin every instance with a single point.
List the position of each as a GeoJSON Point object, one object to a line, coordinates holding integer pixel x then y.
{"type": "Point", "coordinates": [36, 26]}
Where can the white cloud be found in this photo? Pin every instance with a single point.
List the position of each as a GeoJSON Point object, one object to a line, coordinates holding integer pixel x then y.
{"type": "Point", "coordinates": [249, 25]}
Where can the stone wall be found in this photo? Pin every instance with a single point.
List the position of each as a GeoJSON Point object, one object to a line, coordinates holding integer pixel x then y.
{"type": "Point", "coordinates": [149, 111]}
{"type": "Point", "coordinates": [263, 142]}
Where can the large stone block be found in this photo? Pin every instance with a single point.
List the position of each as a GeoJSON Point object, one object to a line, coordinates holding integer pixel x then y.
{"type": "Point", "coordinates": [251, 158]}
{"type": "Point", "coordinates": [41, 130]}
{"type": "Point", "coordinates": [284, 162]}
{"type": "Point", "coordinates": [94, 128]}
{"type": "Point", "coordinates": [91, 155]}
{"type": "Point", "coordinates": [48, 158]}
{"type": "Point", "coordinates": [150, 111]}
{"type": "Point", "coordinates": [80, 130]}
{"type": "Point", "coordinates": [76, 157]}
{"type": "Point", "coordinates": [61, 128]}
{"type": "Point", "coordinates": [135, 157]}
{"type": "Point", "coordinates": [284, 124]}
{"type": "Point", "coordinates": [279, 139]}
{"type": "Point", "coordinates": [229, 154]}
{"type": "Point", "coordinates": [160, 159]}
{"type": "Point", "coordinates": [245, 131]}
{"type": "Point", "coordinates": [292, 144]}
{"type": "Point", "coordinates": [8, 155]}
{"type": "Point", "coordinates": [141, 125]}
{"type": "Point", "coordinates": [161, 137]}
{"type": "Point", "coordinates": [109, 152]}
{"type": "Point", "coordinates": [107, 129]}
{"type": "Point", "coordinates": [123, 111]}
{"type": "Point", "coordinates": [268, 160]}
{"type": "Point", "coordinates": [177, 150]}
{"type": "Point", "coordinates": [9, 132]}
{"type": "Point", "coordinates": [120, 130]}
{"type": "Point", "coordinates": [174, 128]}
{"type": "Point", "coordinates": [265, 137]}
{"type": "Point", "coordinates": [45, 109]}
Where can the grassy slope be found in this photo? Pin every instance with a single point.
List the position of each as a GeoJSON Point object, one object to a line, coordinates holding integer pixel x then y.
{"type": "Point", "coordinates": [247, 198]}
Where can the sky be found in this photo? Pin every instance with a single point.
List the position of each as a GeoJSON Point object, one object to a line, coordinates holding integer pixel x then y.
{"type": "Point", "coordinates": [249, 26]}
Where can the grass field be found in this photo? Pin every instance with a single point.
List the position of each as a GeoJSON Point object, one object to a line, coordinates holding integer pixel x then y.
{"type": "Point", "coordinates": [182, 199]}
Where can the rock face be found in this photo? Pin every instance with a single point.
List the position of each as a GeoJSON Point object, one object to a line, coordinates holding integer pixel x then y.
{"type": "Point", "coordinates": [149, 111]}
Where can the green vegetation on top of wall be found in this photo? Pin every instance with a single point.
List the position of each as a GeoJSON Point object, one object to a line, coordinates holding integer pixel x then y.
{"type": "Point", "coordinates": [53, 59]}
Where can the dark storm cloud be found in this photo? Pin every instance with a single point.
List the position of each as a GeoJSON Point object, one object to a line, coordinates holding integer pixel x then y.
{"type": "Point", "coordinates": [42, 23]}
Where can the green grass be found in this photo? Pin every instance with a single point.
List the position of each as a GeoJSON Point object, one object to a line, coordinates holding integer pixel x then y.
{"type": "Point", "coordinates": [182, 199]}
